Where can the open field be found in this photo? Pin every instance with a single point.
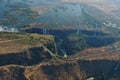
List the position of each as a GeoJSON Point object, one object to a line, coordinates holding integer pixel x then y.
{"type": "Point", "coordinates": [17, 42]}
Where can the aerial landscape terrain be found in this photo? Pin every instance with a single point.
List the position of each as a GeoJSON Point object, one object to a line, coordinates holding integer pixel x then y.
{"type": "Point", "coordinates": [59, 40]}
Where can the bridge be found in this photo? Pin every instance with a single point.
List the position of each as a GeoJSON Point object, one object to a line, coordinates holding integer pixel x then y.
{"type": "Point", "coordinates": [46, 49]}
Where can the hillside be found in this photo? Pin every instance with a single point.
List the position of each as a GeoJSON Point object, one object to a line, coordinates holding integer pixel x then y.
{"type": "Point", "coordinates": [59, 40]}
{"type": "Point", "coordinates": [104, 69]}
{"type": "Point", "coordinates": [25, 48]}
{"type": "Point", "coordinates": [28, 61]}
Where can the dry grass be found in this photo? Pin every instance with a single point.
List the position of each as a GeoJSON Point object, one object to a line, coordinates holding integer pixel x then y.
{"type": "Point", "coordinates": [101, 53]}
{"type": "Point", "coordinates": [16, 42]}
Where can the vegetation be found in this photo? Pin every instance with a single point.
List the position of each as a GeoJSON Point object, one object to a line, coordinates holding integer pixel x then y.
{"type": "Point", "coordinates": [17, 14]}
{"type": "Point", "coordinates": [99, 41]}
{"type": "Point", "coordinates": [74, 43]}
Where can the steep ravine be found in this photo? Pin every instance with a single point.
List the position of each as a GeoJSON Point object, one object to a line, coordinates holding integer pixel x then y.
{"type": "Point", "coordinates": [81, 70]}
{"type": "Point", "coordinates": [69, 70]}
{"type": "Point", "coordinates": [27, 57]}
